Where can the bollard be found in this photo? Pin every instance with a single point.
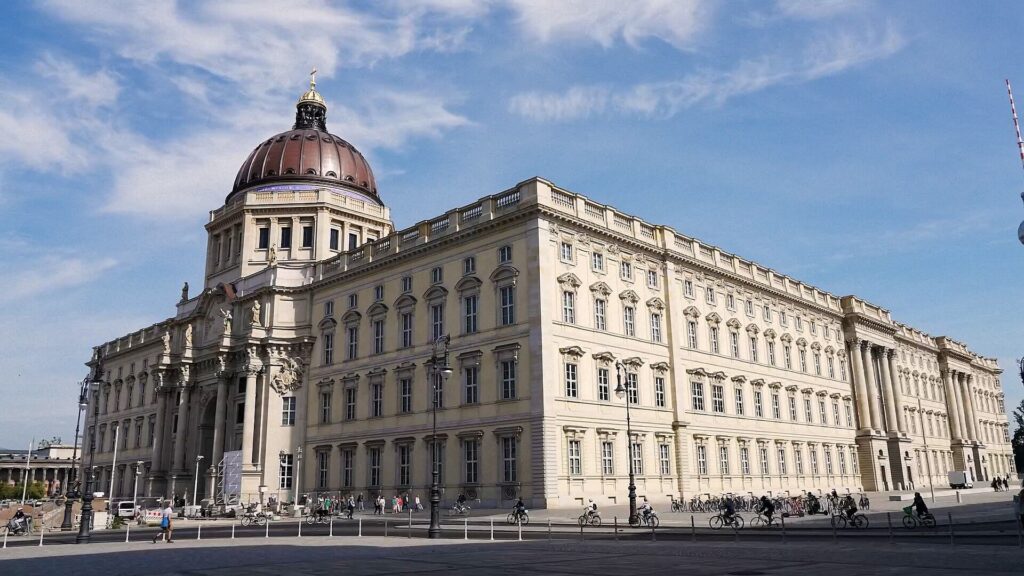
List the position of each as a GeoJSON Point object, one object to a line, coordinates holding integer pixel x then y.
{"type": "Point", "coordinates": [833, 523]}
{"type": "Point", "coordinates": [1020, 534]}
{"type": "Point", "coordinates": [520, 523]}
{"type": "Point", "coordinates": [888, 518]}
{"type": "Point", "coordinates": [782, 519]}
{"type": "Point", "coordinates": [952, 541]}
{"type": "Point", "coordinates": [582, 537]}
{"type": "Point", "coordinates": [385, 527]}
{"type": "Point", "coordinates": [465, 534]}
{"type": "Point", "coordinates": [549, 528]}
{"type": "Point", "coordinates": [360, 527]}
{"type": "Point", "coordinates": [267, 534]}
{"type": "Point", "coordinates": [958, 500]}
{"type": "Point", "coordinates": [408, 527]}
{"type": "Point", "coordinates": [41, 531]}
{"type": "Point", "coordinates": [653, 537]}
{"type": "Point", "coordinates": [300, 529]}
{"type": "Point", "coordinates": [615, 523]}
{"type": "Point", "coordinates": [330, 529]}
{"type": "Point", "coordinates": [127, 532]}
{"type": "Point", "coordinates": [693, 530]}
{"type": "Point", "coordinates": [199, 531]}
{"type": "Point", "coordinates": [5, 539]}
{"type": "Point", "coordinates": [735, 532]}
{"type": "Point", "coordinates": [232, 530]}
{"type": "Point", "coordinates": [492, 529]}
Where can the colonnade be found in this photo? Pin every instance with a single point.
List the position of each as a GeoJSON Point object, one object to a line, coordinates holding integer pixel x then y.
{"type": "Point", "coordinates": [879, 403]}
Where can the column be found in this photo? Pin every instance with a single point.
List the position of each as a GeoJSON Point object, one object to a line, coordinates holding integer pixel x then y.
{"type": "Point", "coordinates": [857, 367]}
{"type": "Point", "coordinates": [218, 434]}
{"type": "Point", "coordinates": [158, 430]}
{"type": "Point", "coordinates": [968, 407]}
{"type": "Point", "coordinates": [249, 427]}
{"type": "Point", "coordinates": [891, 419]}
{"type": "Point", "coordinates": [890, 372]}
{"type": "Point", "coordinates": [952, 410]}
{"type": "Point", "coordinates": [872, 387]}
{"type": "Point", "coordinates": [179, 440]}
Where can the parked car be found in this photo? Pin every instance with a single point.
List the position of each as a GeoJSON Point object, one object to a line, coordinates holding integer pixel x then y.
{"type": "Point", "coordinates": [126, 509]}
{"type": "Point", "coordinates": [961, 479]}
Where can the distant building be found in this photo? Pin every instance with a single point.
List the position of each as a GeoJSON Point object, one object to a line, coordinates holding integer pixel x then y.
{"type": "Point", "coordinates": [317, 316]}
{"type": "Point", "coordinates": [50, 464]}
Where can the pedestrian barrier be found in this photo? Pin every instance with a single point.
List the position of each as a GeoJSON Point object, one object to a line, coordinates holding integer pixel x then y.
{"type": "Point", "coordinates": [199, 531]}
{"type": "Point", "coordinates": [492, 529]}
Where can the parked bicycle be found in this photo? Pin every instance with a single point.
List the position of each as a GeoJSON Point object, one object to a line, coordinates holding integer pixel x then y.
{"type": "Point", "coordinates": [719, 521]}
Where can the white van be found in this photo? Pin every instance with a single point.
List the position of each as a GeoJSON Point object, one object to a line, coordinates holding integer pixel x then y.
{"type": "Point", "coordinates": [126, 509]}
{"type": "Point", "coordinates": [960, 479]}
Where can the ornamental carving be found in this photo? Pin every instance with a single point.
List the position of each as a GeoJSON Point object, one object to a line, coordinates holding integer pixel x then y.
{"type": "Point", "coordinates": [289, 377]}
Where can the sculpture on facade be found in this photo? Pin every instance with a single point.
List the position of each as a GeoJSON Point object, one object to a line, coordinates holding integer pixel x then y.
{"type": "Point", "coordinates": [273, 255]}
{"type": "Point", "coordinates": [225, 313]}
{"type": "Point", "coordinates": [166, 338]}
{"type": "Point", "coordinates": [256, 309]}
{"type": "Point", "coordinates": [188, 335]}
{"type": "Point", "coordinates": [184, 292]}
{"type": "Point", "coordinates": [288, 377]}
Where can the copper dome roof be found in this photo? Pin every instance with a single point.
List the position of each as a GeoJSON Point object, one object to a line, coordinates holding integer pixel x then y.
{"type": "Point", "coordinates": [306, 153]}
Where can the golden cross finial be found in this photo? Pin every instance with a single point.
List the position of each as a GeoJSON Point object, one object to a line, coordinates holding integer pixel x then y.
{"type": "Point", "coordinates": [312, 78]}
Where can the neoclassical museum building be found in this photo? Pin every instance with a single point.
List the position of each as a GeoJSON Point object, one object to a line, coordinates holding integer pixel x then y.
{"type": "Point", "coordinates": [302, 365]}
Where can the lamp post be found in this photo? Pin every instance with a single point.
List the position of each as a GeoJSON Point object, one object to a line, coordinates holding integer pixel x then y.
{"type": "Point", "coordinates": [135, 490]}
{"type": "Point", "coordinates": [927, 461]}
{"type": "Point", "coordinates": [438, 367]}
{"type": "Point", "coordinates": [621, 392]}
{"type": "Point", "coordinates": [85, 524]}
{"type": "Point", "coordinates": [195, 483]}
{"type": "Point", "coordinates": [83, 403]}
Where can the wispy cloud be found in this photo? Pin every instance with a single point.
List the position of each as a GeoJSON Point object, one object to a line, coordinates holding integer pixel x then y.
{"type": "Point", "coordinates": [48, 274]}
{"type": "Point", "coordinates": [824, 56]}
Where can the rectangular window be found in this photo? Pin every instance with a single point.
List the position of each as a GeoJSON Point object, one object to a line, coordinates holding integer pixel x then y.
{"type": "Point", "coordinates": [569, 307]}
{"type": "Point", "coordinates": [787, 356]}
{"type": "Point", "coordinates": [652, 279]}
{"type": "Point", "coordinates": [286, 237]}
{"type": "Point", "coordinates": [264, 238]}
{"type": "Point", "coordinates": [792, 408]}
{"type": "Point", "coordinates": [436, 321]}
{"type": "Point", "coordinates": [575, 465]}
{"type": "Point", "coordinates": [472, 385]}
{"type": "Point", "coordinates": [378, 293]}
{"type": "Point", "coordinates": [325, 407]}
{"type": "Point", "coordinates": [817, 364]}
{"type": "Point", "coordinates": [828, 460]}
{"type": "Point", "coordinates": [406, 320]}
{"type": "Point", "coordinates": [437, 460]}
{"type": "Point", "coordinates": [404, 465]}
{"type": "Point", "coordinates": [285, 472]}
{"type": "Point", "coordinates": [688, 288]}
{"type": "Point", "coordinates": [766, 313]}
{"type": "Point", "coordinates": [783, 320]}
{"type": "Point", "coordinates": [849, 414]}
{"type": "Point", "coordinates": [626, 271]}
{"type": "Point", "coordinates": [753, 348]}
{"type": "Point", "coordinates": [508, 379]}
{"type": "Point", "coordinates": [831, 366]}
{"type": "Point", "coordinates": [507, 299]}
{"type": "Point", "coordinates": [509, 472]}
{"type": "Point", "coordinates": [697, 396]}
{"type": "Point", "coordinates": [718, 398]}
{"type": "Point", "coordinates": [151, 437]}
{"type": "Point", "coordinates": [807, 410]}
{"type": "Point", "coordinates": [734, 344]}
{"type": "Point", "coordinates": [776, 409]}
{"type": "Point", "coordinates": [566, 252]}
{"type": "Point", "coordinates": [835, 412]}
{"type": "Point", "coordinates": [632, 388]}
{"type": "Point", "coordinates": [469, 314]}
{"type": "Point", "coordinates": [691, 334]}
{"type": "Point", "coordinates": [405, 395]}
{"type": "Point", "coordinates": [468, 265]}
{"type": "Point", "coordinates": [655, 327]}
{"type": "Point", "coordinates": [599, 315]}
{"type": "Point", "coordinates": [353, 342]}
{"type": "Point", "coordinates": [607, 458]}
{"type": "Point", "coordinates": [764, 460]}
{"type": "Point", "coordinates": [745, 460]}
{"type": "Point", "coordinates": [798, 460]}
{"type": "Point", "coordinates": [335, 240]}
{"type": "Point", "coordinates": [328, 308]}
{"type": "Point", "coordinates": [350, 404]}
{"type": "Point", "coordinates": [377, 400]}
{"type": "Point", "coordinates": [438, 390]}
{"type": "Point", "coordinates": [739, 401]}
{"type": "Point", "coordinates": [723, 460]}
{"type": "Point", "coordinates": [710, 294]}
{"type": "Point", "coordinates": [771, 351]}
{"type": "Point", "coordinates": [288, 411]}
{"type": "Point", "coordinates": [571, 383]}
{"type": "Point", "coordinates": [659, 391]}
{"type": "Point", "coordinates": [504, 254]}
{"type": "Point", "coordinates": [597, 261]}
{"type": "Point", "coordinates": [406, 284]}
{"type": "Point", "coordinates": [638, 458]}
{"type": "Point", "coordinates": [603, 387]}
{"type": "Point", "coordinates": [713, 338]}
{"type": "Point", "coordinates": [664, 461]}
{"type": "Point", "coordinates": [812, 454]}
{"type": "Point", "coordinates": [353, 300]}
{"type": "Point", "coordinates": [307, 236]}
{"type": "Point", "coordinates": [322, 468]}
{"type": "Point", "coordinates": [138, 434]}
{"type": "Point", "coordinates": [702, 460]}
{"type": "Point", "coordinates": [373, 458]}
{"type": "Point", "coordinates": [821, 412]}
{"type": "Point", "coordinates": [240, 413]}
{"type": "Point", "coordinates": [730, 302]}
{"type": "Point", "coordinates": [436, 275]}
{"type": "Point", "coordinates": [353, 241]}
{"type": "Point", "coordinates": [471, 460]}
{"type": "Point", "coordinates": [842, 457]}
{"type": "Point", "coordinates": [803, 360]}
{"type": "Point", "coordinates": [629, 320]}
{"type": "Point", "coordinates": [378, 336]}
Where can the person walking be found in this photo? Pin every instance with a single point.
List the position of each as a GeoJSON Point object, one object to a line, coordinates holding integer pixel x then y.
{"type": "Point", "coordinates": [166, 527]}
{"type": "Point", "coordinates": [359, 501]}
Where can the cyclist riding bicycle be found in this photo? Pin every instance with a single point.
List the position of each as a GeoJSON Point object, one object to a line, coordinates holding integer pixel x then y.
{"type": "Point", "coordinates": [645, 509]}
{"type": "Point", "coordinates": [730, 510]}
{"type": "Point", "coordinates": [590, 509]}
{"type": "Point", "coordinates": [919, 506]}
{"type": "Point", "coordinates": [767, 508]}
{"type": "Point", "coordinates": [519, 508]}
{"type": "Point", "coordinates": [848, 507]}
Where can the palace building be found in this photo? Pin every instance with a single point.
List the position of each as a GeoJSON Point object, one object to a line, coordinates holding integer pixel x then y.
{"type": "Point", "coordinates": [302, 366]}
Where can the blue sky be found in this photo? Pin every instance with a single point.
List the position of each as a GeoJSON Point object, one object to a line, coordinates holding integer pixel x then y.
{"type": "Point", "coordinates": [863, 147]}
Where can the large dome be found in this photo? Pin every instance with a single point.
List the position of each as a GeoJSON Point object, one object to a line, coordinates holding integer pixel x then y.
{"type": "Point", "coordinates": [306, 153]}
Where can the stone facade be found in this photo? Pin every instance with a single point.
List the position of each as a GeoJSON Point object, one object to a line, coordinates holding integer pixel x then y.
{"type": "Point", "coordinates": [317, 320]}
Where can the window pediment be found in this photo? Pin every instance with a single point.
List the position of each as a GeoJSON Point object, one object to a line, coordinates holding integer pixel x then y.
{"type": "Point", "coordinates": [377, 309]}
{"type": "Point", "coordinates": [660, 366]}
{"type": "Point", "coordinates": [786, 337]}
{"type": "Point", "coordinates": [435, 293]}
{"type": "Point", "coordinates": [757, 382]}
{"type": "Point", "coordinates": [770, 334]}
{"type": "Point", "coordinates": [713, 318]}
{"type": "Point", "coordinates": [734, 324]}
{"type": "Point", "coordinates": [691, 312]}
{"type": "Point", "coordinates": [740, 379]}
{"type": "Point", "coordinates": [815, 346]}
{"type": "Point", "coordinates": [629, 296]}
{"type": "Point", "coordinates": [656, 303]}
{"type": "Point", "coordinates": [829, 350]}
{"type": "Point", "coordinates": [600, 288]}
{"type": "Point", "coordinates": [606, 357]}
{"type": "Point", "coordinates": [468, 283]}
{"type": "Point", "coordinates": [569, 281]}
{"type": "Point", "coordinates": [633, 362]}
{"type": "Point", "coordinates": [574, 351]}
{"type": "Point", "coordinates": [327, 324]}
{"type": "Point", "coordinates": [752, 329]}
{"type": "Point", "coordinates": [405, 301]}
{"type": "Point", "coordinates": [351, 318]}
{"type": "Point", "coordinates": [801, 342]}
{"type": "Point", "coordinates": [505, 273]}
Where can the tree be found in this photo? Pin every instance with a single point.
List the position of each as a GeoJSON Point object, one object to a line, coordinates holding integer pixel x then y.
{"type": "Point", "coordinates": [1018, 436]}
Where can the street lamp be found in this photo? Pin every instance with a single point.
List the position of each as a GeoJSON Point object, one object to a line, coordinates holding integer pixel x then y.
{"type": "Point", "coordinates": [135, 490]}
{"type": "Point", "coordinates": [83, 403]}
{"type": "Point", "coordinates": [85, 524]}
{"type": "Point", "coordinates": [438, 366]}
{"type": "Point", "coordinates": [195, 484]}
{"type": "Point", "coordinates": [621, 392]}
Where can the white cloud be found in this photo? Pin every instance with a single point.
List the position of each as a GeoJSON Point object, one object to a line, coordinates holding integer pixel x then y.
{"type": "Point", "coordinates": [45, 274]}
{"type": "Point", "coordinates": [93, 90]}
{"type": "Point", "coordinates": [827, 55]}
{"type": "Point", "coordinates": [817, 9]}
{"type": "Point", "coordinates": [676, 22]}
